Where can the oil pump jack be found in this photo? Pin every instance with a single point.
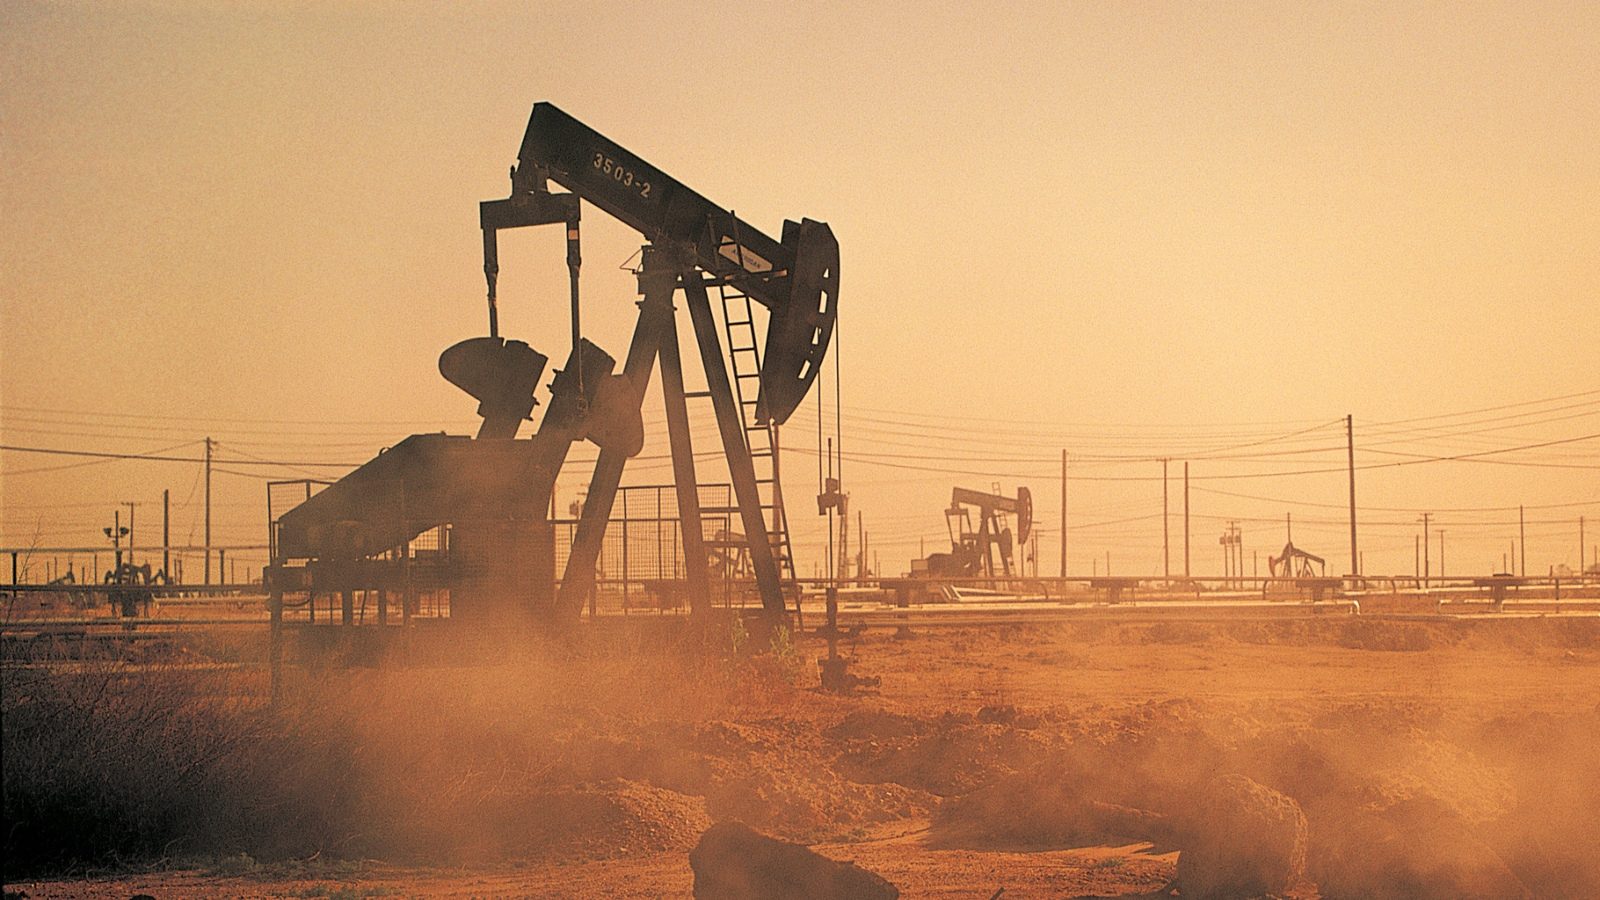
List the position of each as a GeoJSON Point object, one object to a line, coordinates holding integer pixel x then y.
{"type": "Point", "coordinates": [493, 491]}
{"type": "Point", "coordinates": [972, 550]}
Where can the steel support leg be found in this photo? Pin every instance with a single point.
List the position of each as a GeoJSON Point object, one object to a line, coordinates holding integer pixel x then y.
{"type": "Point", "coordinates": [657, 282]}
{"type": "Point", "coordinates": [730, 423]}
{"type": "Point", "coordinates": [683, 473]}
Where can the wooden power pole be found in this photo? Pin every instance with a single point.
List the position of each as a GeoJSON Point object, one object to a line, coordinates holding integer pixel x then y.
{"type": "Point", "coordinates": [1350, 462]}
{"type": "Point", "coordinates": [1064, 513]}
{"type": "Point", "coordinates": [1186, 518]}
{"type": "Point", "coordinates": [208, 510]}
{"type": "Point", "coordinates": [1166, 534]}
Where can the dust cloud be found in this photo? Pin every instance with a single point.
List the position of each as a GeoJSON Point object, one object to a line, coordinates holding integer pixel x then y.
{"type": "Point", "coordinates": [1374, 759]}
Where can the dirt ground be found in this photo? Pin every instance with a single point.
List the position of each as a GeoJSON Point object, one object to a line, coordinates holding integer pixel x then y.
{"type": "Point", "coordinates": [1431, 759]}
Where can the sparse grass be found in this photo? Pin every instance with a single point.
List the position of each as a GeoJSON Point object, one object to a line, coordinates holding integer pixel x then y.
{"type": "Point", "coordinates": [233, 866]}
{"type": "Point", "coordinates": [786, 659]}
{"type": "Point", "coordinates": [243, 865]}
{"type": "Point", "coordinates": [343, 892]}
{"type": "Point", "coordinates": [316, 867]}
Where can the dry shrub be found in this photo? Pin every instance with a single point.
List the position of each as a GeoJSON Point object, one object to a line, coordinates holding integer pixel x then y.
{"type": "Point", "coordinates": [103, 765]}
{"type": "Point", "coordinates": [113, 763]}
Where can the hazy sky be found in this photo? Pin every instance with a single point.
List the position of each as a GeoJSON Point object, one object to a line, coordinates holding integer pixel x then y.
{"type": "Point", "coordinates": [1129, 230]}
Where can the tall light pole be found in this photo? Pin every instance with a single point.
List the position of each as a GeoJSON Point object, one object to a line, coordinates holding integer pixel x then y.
{"type": "Point", "coordinates": [115, 533]}
{"type": "Point", "coordinates": [130, 505]}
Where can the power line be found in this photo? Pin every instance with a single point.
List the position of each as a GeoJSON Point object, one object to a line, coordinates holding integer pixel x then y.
{"type": "Point", "coordinates": [157, 456]}
{"type": "Point", "coordinates": [97, 457]}
{"type": "Point", "coordinates": [1402, 509]}
{"type": "Point", "coordinates": [874, 460]}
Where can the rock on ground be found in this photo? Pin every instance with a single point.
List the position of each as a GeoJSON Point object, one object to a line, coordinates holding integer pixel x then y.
{"type": "Point", "coordinates": [1243, 840]}
{"type": "Point", "coordinates": [735, 862]}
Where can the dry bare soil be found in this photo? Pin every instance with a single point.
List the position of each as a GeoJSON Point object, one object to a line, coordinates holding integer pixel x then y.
{"type": "Point", "coordinates": [1437, 759]}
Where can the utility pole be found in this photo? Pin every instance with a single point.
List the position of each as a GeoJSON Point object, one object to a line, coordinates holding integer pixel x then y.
{"type": "Point", "coordinates": [1350, 457]}
{"type": "Point", "coordinates": [1582, 569]}
{"type": "Point", "coordinates": [861, 549]}
{"type": "Point", "coordinates": [1166, 535]}
{"type": "Point", "coordinates": [1064, 512]}
{"type": "Point", "coordinates": [1186, 518]}
{"type": "Point", "coordinates": [1232, 551]}
{"type": "Point", "coordinates": [208, 511]}
{"type": "Point", "coordinates": [1522, 533]}
{"type": "Point", "coordinates": [1425, 572]}
{"type": "Point", "coordinates": [1441, 554]}
{"type": "Point", "coordinates": [166, 534]}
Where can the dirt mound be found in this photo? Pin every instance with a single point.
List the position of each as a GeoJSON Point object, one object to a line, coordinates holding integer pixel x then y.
{"type": "Point", "coordinates": [773, 774]}
{"type": "Point", "coordinates": [1444, 773]}
{"type": "Point", "coordinates": [875, 725]}
{"type": "Point", "coordinates": [580, 822]}
{"type": "Point", "coordinates": [1416, 850]}
{"type": "Point", "coordinates": [1241, 840]}
{"type": "Point", "coordinates": [804, 802]}
{"type": "Point", "coordinates": [1548, 837]}
{"type": "Point", "coordinates": [776, 776]}
{"type": "Point", "coordinates": [1367, 634]}
{"type": "Point", "coordinates": [1173, 633]}
{"type": "Point", "coordinates": [1334, 773]}
{"type": "Point", "coordinates": [735, 862]}
{"type": "Point", "coordinates": [951, 760]}
{"type": "Point", "coordinates": [1006, 714]}
{"type": "Point", "coordinates": [1043, 808]}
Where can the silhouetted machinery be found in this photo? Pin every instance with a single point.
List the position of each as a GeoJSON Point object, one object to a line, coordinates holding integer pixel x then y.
{"type": "Point", "coordinates": [1298, 571]}
{"type": "Point", "coordinates": [972, 550]}
{"type": "Point", "coordinates": [1296, 563]}
{"type": "Point", "coordinates": [491, 493]}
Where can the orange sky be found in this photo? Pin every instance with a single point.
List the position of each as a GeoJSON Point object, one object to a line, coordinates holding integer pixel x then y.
{"type": "Point", "coordinates": [1133, 230]}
